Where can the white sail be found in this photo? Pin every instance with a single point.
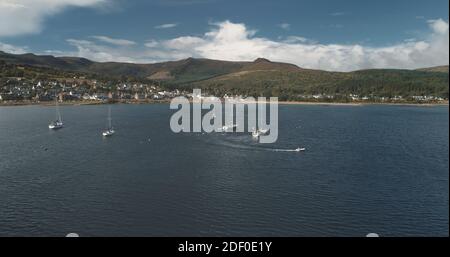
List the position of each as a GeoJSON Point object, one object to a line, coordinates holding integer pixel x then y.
{"type": "Point", "coordinates": [57, 124]}
{"type": "Point", "coordinates": [109, 118]}
{"type": "Point", "coordinates": [109, 130]}
{"type": "Point", "coordinates": [58, 112]}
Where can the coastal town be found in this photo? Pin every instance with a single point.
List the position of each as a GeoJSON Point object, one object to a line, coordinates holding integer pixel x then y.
{"type": "Point", "coordinates": [19, 90]}
{"type": "Point", "coordinates": [80, 89]}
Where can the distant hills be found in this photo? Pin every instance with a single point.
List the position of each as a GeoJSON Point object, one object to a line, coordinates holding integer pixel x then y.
{"type": "Point", "coordinates": [260, 77]}
{"type": "Point", "coordinates": [186, 70]}
{"type": "Point", "coordinates": [436, 69]}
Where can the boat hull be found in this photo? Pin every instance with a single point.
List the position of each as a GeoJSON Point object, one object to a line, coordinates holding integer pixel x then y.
{"type": "Point", "coordinates": [108, 133]}
{"type": "Point", "coordinates": [55, 126]}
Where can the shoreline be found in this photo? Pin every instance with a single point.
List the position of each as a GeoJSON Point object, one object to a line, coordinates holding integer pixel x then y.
{"type": "Point", "coordinates": [363, 104]}
{"type": "Point", "coordinates": [137, 102]}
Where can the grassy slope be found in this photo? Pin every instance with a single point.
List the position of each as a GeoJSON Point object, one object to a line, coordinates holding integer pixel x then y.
{"type": "Point", "coordinates": [378, 82]}
{"type": "Point", "coordinates": [260, 77]}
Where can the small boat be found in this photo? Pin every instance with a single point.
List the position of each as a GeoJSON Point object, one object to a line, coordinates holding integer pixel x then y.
{"type": "Point", "coordinates": [256, 134]}
{"type": "Point", "coordinates": [300, 149]}
{"type": "Point", "coordinates": [110, 130]}
{"type": "Point", "coordinates": [259, 132]}
{"type": "Point", "coordinates": [263, 131]}
{"type": "Point", "coordinates": [108, 133]}
{"type": "Point", "coordinates": [57, 124]}
{"type": "Point", "coordinates": [228, 127]}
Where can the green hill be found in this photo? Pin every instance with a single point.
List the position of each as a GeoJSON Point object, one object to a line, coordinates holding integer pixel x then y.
{"type": "Point", "coordinates": [436, 69]}
{"type": "Point", "coordinates": [258, 78]}
{"type": "Point", "coordinates": [182, 71]}
{"type": "Point", "coordinates": [291, 84]}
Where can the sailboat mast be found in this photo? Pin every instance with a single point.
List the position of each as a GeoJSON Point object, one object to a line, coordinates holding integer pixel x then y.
{"type": "Point", "coordinates": [58, 113]}
{"type": "Point", "coordinates": [109, 117]}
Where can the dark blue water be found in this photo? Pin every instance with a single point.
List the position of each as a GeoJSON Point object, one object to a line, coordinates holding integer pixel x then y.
{"type": "Point", "coordinates": [381, 169]}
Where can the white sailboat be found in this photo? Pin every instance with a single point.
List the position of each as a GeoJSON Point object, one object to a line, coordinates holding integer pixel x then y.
{"type": "Point", "coordinates": [225, 128]}
{"type": "Point", "coordinates": [110, 130]}
{"type": "Point", "coordinates": [259, 132]}
{"type": "Point", "coordinates": [256, 133]}
{"type": "Point", "coordinates": [57, 124]}
{"type": "Point", "coordinates": [263, 131]}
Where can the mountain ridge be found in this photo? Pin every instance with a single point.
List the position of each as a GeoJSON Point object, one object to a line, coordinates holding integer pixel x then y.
{"type": "Point", "coordinates": [259, 77]}
{"type": "Point", "coordinates": [205, 67]}
{"type": "Point", "coordinates": [145, 70]}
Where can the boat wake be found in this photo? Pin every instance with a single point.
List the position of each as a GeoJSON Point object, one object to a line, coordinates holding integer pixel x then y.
{"type": "Point", "coordinates": [243, 142]}
{"type": "Point", "coordinates": [289, 150]}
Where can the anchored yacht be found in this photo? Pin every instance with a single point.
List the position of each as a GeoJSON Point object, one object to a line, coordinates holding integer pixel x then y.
{"type": "Point", "coordinates": [110, 130]}
{"type": "Point", "coordinates": [57, 124]}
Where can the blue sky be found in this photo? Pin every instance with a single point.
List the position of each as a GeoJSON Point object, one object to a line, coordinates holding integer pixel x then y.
{"type": "Point", "coordinates": [354, 34]}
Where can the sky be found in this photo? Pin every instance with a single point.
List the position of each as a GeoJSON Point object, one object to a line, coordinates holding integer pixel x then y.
{"type": "Point", "coordinates": [335, 35]}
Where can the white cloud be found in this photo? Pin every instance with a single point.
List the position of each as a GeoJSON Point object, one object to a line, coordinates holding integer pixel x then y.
{"type": "Point", "coordinates": [183, 43]}
{"type": "Point", "coordinates": [151, 43]}
{"type": "Point", "coordinates": [285, 26]}
{"type": "Point", "coordinates": [12, 49]}
{"type": "Point", "coordinates": [114, 41]}
{"type": "Point", "coordinates": [102, 53]}
{"type": "Point", "coordinates": [296, 40]}
{"type": "Point", "coordinates": [337, 14]}
{"type": "Point", "coordinates": [54, 52]}
{"type": "Point", "coordinates": [20, 17]}
{"type": "Point", "coordinates": [166, 26]}
{"type": "Point", "coordinates": [235, 42]}
{"type": "Point", "coordinates": [439, 26]}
